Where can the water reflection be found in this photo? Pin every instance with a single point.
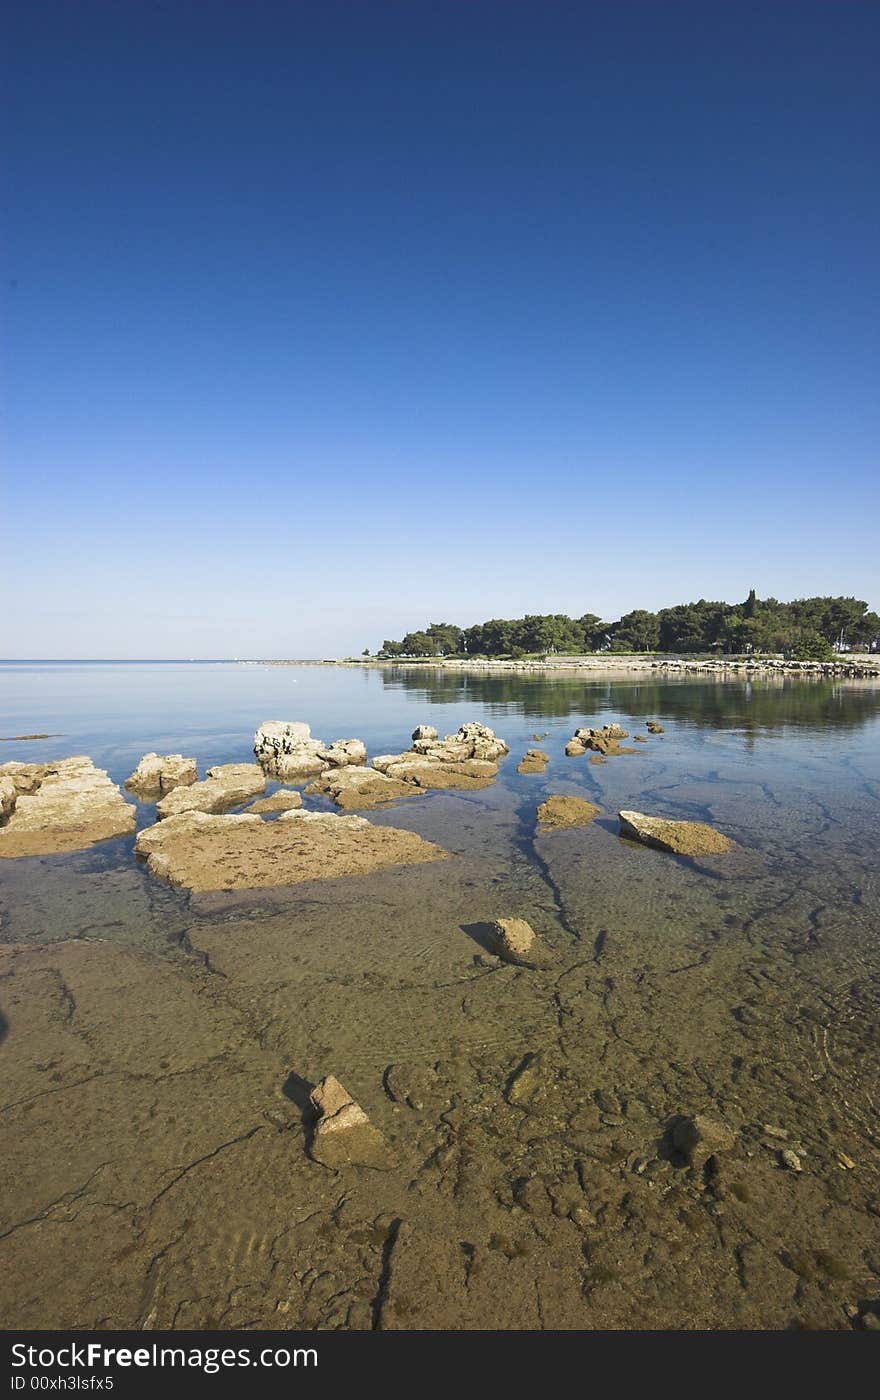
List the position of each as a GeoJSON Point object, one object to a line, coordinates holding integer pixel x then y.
{"type": "Point", "coordinates": [759, 704]}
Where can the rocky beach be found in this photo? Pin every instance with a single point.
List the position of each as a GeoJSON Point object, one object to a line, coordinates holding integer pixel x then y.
{"type": "Point", "coordinates": [516, 1019]}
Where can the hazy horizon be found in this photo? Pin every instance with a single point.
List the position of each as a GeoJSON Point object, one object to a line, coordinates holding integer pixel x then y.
{"type": "Point", "coordinates": [326, 322]}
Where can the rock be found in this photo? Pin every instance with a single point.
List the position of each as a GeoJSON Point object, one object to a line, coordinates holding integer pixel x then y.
{"type": "Point", "coordinates": [344, 753]}
{"type": "Point", "coordinates": [700, 1137]}
{"type": "Point", "coordinates": [772, 1131]}
{"type": "Point", "coordinates": [516, 942]}
{"type": "Point", "coordinates": [284, 800]}
{"type": "Point", "coordinates": [640, 739]}
{"type": "Point", "coordinates": [604, 741]}
{"type": "Point", "coordinates": [25, 777]}
{"type": "Point", "coordinates": [360, 789]}
{"type": "Point", "coordinates": [416, 1086]}
{"type": "Point", "coordinates": [158, 773]}
{"type": "Point", "coordinates": [199, 851]}
{"type": "Point", "coordinates": [428, 773]}
{"type": "Point", "coordinates": [62, 806]}
{"type": "Point", "coordinates": [483, 741]}
{"type": "Point", "coordinates": [336, 1108]}
{"type": "Point", "coordinates": [286, 749]}
{"type": "Point", "coordinates": [574, 748]}
{"type": "Point", "coordinates": [225, 786]}
{"type": "Point", "coordinates": [559, 811]}
{"type": "Point", "coordinates": [654, 727]}
{"type": "Point", "coordinates": [533, 761]}
{"type": "Point", "coordinates": [8, 797]}
{"type": "Point", "coordinates": [526, 1080]}
{"type": "Point", "coordinates": [468, 759]}
{"type": "Point", "coordinates": [844, 1161]}
{"type": "Point", "coordinates": [424, 731]}
{"type": "Point", "coordinates": [679, 837]}
{"type": "Point", "coordinates": [343, 1134]}
{"type": "Point", "coordinates": [790, 1160]}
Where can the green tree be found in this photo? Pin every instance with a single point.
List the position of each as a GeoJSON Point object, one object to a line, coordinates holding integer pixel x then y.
{"type": "Point", "coordinates": [636, 631]}
{"type": "Point", "coordinates": [812, 646]}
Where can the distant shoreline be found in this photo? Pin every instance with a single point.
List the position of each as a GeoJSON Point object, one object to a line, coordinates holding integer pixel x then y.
{"type": "Point", "coordinates": [861, 667]}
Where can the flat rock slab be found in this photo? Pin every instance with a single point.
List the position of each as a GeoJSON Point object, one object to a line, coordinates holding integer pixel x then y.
{"type": "Point", "coordinates": [284, 800]}
{"type": "Point", "coordinates": [466, 773]}
{"type": "Point", "coordinates": [200, 852]}
{"type": "Point", "coordinates": [357, 789]}
{"type": "Point", "coordinates": [224, 787]}
{"type": "Point", "coordinates": [679, 838]}
{"type": "Point", "coordinates": [559, 811]}
{"type": "Point", "coordinates": [62, 806]}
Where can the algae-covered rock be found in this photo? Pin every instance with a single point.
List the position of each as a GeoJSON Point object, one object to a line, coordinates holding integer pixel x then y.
{"type": "Point", "coordinates": [283, 800]}
{"type": "Point", "coordinates": [61, 806]}
{"type": "Point", "coordinates": [681, 838]}
{"type": "Point", "coordinates": [225, 786]}
{"type": "Point", "coordinates": [200, 851]}
{"type": "Point", "coordinates": [533, 761]}
{"type": "Point", "coordinates": [516, 942]}
{"type": "Point", "coordinates": [560, 811]}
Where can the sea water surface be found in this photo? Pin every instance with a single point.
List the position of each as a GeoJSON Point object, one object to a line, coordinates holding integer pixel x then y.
{"type": "Point", "coordinates": [160, 1048]}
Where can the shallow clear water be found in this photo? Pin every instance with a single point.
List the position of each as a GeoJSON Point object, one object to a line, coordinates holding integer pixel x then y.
{"type": "Point", "coordinates": [153, 1060]}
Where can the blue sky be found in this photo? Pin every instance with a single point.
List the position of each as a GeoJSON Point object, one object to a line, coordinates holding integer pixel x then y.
{"type": "Point", "coordinates": [327, 320]}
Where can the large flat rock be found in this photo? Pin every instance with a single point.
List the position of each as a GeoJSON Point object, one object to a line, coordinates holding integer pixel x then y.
{"type": "Point", "coordinates": [61, 806]}
{"type": "Point", "coordinates": [224, 787]}
{"type": "Point", "coordinates": [200, 852]}
{"type": "Point", "coordinates": [680, 838]}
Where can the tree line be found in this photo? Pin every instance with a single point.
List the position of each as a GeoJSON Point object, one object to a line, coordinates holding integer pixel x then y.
{"type": "Point", "coordinates": [805, 629]}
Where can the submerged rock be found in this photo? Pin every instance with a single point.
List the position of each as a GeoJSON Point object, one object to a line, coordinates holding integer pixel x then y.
{"type": "Point", "coordinates": [225, 786]}
{"type": "Point", "coordinates": [515, 941]}
{"type": "Point", "coordinates": [61, 806]}
{"type": "Point", "coordinates": [343, 1134]}
{"type": "Point", "coordinates": [700, 1137]}
{"type": "Point", "coordinates": [199, 851]}
{"type": "Point", "coordinates": [158, 773]}
{"type": "Point", "coordinates": [559, 811]}
{"type": "Point", "coordinates": [533, 761]}
{"type": "Point", "coordinates": [679, 837]}
{"type": "Point", "coordinates": [527, 1079]}
{"type": "Point", "coordinates": [284, 800]}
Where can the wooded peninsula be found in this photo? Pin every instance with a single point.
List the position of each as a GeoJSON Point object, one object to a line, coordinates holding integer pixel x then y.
{"type": "Point", "coordinates": [805, 629]}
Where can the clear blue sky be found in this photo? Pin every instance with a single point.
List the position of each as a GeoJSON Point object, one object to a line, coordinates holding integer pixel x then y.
{"type": "Point", "coordinates": [324, 320]}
